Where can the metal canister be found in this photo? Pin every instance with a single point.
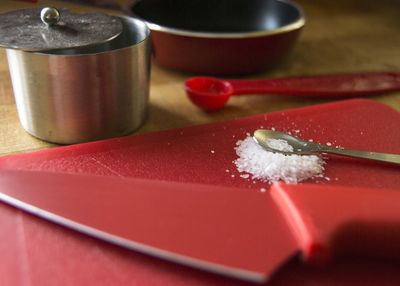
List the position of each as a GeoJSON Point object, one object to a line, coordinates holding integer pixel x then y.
{"type": "Point", "coordinates": [86, 91]}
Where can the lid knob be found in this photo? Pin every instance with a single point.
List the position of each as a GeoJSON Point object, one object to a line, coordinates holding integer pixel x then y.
{"type": "Point", "coordinates": [50, 16]}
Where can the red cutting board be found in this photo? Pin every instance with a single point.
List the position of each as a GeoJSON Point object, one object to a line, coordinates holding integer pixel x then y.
{"type": "Point", "coordinates": [37, 252]}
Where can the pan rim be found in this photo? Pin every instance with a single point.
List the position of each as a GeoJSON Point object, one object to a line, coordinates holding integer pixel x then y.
{"type": "Point", "coordinates": [296, 25]}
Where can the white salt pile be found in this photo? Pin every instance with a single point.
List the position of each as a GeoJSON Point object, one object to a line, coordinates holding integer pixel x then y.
{"type": "Point", "coordinates": [269, 166]}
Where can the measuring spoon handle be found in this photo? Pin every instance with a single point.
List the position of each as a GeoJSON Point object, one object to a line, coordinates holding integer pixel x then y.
{"type": "Point", "coordinates": [343, 85]}
{"type": "Point", "coordinates": [383, 157]}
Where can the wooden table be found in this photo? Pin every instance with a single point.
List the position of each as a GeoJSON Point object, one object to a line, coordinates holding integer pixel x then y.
{"type": "Point", "coordinates": [340, 36]}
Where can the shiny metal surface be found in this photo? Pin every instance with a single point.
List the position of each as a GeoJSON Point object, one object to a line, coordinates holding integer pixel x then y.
{"type": "Point", "coordinates": [25, 30]}
{"type": "Point", "coordinates": [50, 16]}
{"type": "Point", "coordinates": [77, 95]}
{"type": "Point", "coordinates": [301, 147]}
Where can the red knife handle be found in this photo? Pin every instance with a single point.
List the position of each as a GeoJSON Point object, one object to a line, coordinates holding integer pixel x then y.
{"type": "Point", "coordinates": [333, 221]}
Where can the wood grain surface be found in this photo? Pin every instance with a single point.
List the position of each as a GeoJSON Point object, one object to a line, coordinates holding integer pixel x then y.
{"type": "Point", "coordinates": [340, 36]}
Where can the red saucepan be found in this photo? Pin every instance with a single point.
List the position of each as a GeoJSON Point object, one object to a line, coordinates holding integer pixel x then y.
{"type": "Point", "coordinates": [224, 37]}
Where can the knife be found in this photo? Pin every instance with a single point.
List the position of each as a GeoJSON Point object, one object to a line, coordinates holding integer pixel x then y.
{"type": "Point", "coordinates": [240, 233]}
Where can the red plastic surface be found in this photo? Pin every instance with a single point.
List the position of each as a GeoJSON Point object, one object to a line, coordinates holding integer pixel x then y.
{"type": "Point", "coordinates": [355, 84]}
{"type": "Point", "coordinates": [212, 93]}
{"type": "Point", "coordinates": [329, 221]}
{"type": "Point", "coordinates": [199, 154]}
{"type": "Point", "coordinates": [217, 228]}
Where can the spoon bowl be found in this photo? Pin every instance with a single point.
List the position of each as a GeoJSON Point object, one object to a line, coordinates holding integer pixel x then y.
{"type": "Point", "coordinates": [208, 93]}
{"type": "Point", "coordinates": [302, 147]}
{"type": "Point", "coordinates": [299, 146]}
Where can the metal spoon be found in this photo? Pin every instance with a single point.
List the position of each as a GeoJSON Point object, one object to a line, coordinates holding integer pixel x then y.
{"type": "Point", "coordinates": [211, 93]}
{"type": "Point", "coordinates": [301, 147]}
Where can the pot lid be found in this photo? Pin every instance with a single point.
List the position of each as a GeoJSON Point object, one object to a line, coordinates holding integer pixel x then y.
{"type": "Point", "coordinates": [48, 28]}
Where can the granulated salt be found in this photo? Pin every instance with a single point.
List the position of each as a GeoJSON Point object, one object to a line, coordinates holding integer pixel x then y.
{"type": "Point", "coordinates": [279, 144]}
{"type": "Point", "coordinates": [268, 166]}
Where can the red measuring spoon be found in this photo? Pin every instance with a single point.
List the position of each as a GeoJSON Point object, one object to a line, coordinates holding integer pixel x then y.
{"type": "Point", "coordinates": [211, 93]}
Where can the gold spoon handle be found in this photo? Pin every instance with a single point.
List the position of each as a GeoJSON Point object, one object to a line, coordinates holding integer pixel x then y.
{"type": "Point", "coordinates": [383, 157]}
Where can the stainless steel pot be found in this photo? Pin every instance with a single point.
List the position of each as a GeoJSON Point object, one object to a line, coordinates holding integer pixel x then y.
{"type": "Point", "coordinates": [84, 93]}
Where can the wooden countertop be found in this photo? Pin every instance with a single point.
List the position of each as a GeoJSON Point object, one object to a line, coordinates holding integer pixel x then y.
{"type": "Point", "coordinates": [340, 36]}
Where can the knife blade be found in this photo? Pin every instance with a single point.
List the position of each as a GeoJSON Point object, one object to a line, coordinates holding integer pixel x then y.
{"type": "Point", "coordinates": [234, 232]}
